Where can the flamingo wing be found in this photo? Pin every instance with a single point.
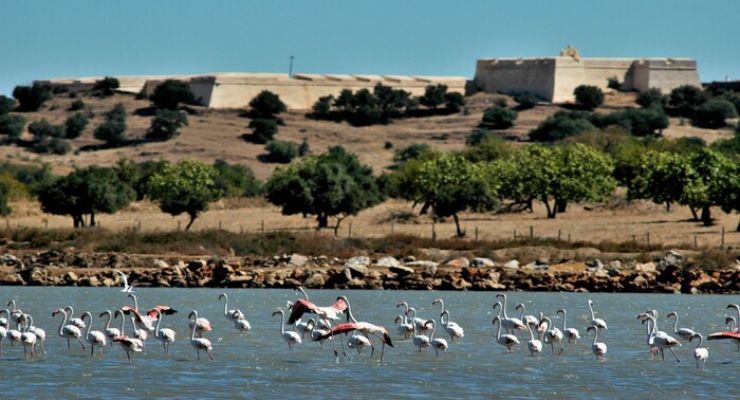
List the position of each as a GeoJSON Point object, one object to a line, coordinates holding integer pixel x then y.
{"type": "Point", "coordinates": [300, 307]}
{"type": "Point", "coordinates": [724, 335]}
{"type": "Point", "coordinates": [337, 329]}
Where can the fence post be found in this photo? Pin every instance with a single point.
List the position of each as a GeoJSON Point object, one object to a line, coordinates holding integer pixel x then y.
{"type": "Point", "coordinates": [531, 232]}
{"type": "Point", "coordinates": [514, 234]}
{"type": "Point", "coordinates": [434, 232]}
{"type": "Point", "coordinates": [696, 242]}
{"type": "Point", "coordinates": [178, 225]}
{"type": "Point", "coordinates": [569, 238]}
{"type": "Point", "coordinates": [219, 225]}
{"type": "Point", "coordinates": [138, 225]}
{"type": "Point", "coordinates": [648, 239]}
{"type": "Point", "coordinates": [392, 227]}
{"type": "Point", "coordinates": [262, 226]}
{"type": "Point", "coordinates": [349, 233]}
{"type": "Point", "coordinates": [476, 233]}
{"type": "Point", "coordinates": [46, 224]}
{"type": "Point", "coordinates": [634, 239]}
{"type": "Point", "coordinates": [722, 241]}
{"type": "Point", "coordinates": [559, 233]}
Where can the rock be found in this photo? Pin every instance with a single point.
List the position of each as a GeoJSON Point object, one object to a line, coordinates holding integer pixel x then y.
{"type": "Point", "coordinates": [401, 270]}
{"type": "Point", "coordinates": [357, 270]}
{"type": "Point", "coordinates": [196, 265]}
{"type": "Point", "coordinates": [647, 267]}
{"type": "Point", "coordinates": [615, 265]}
{"type": "Point", "coordinates": [297, 260]}
{"type": "Point", "coordinates": [594, 264]}
{"type": "Point", "coordinates": [108, 282]}
{"type": "Point", "coordinates": [70, 277]}
{"type": "Point", "coordinates": [13, 280]}
{"type": "Point", "coordinates": [388, 262]}
{"type": "Point", "coordinates": [94, 281]}
{"type": "Point", "coordinates": [12, 261]}
{"type": "Point", "coordinates": [422, 264]}
{"type": "Point", "coordinates": [435, 254]}
{"type": "Point", "coordinates": [316, 280]}
{"type": "Point", "coordinates": [161, 264]}
{"type": "Point", "coordinates": [358, 261]}
{"type": "Point", "coordinates": [430, 270]}
{"type": "Point", "coordinates": [482, 262]}
{"type": "Point", "coordinates": [459, 262]}
{"type": "Point", "coordinates": [535, 265]}
{"type": "Point", "coordinates": [409, 258]}
{"type": "Point", "coordinates": [513, 264]}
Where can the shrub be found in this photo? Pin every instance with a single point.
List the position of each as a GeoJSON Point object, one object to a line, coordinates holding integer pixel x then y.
{"type": "Point", "coordinates": [4, 195]}
{"type": "Point", "coordinates": [12, 125]}
{"type": "Point", "coordinates": [43, 129]}
{"type": "Point", "coordinates": [266, 105]}
{"type": "Point", "coordinates": [322, 107]}
{"type": "Point", "coordinates": [113, 130]}
{"type": "Point", "coordinates": [713, 113]}
{"type": "Point", "coordinates": [560, 126]}
{"type": "Point", "coordinates": [526, 101]}
{"type": "Point", "coordinates": [106, 86]}
{"type": "Point", "coordinates": [500, 102]}
{"type": "Point", "coordinates": [684, 99]}
{"type": "Point", "coordinates": [263, 130]}
{"type": "Point", "coordinates": [31, 98]}
{"type": "Point", "coordinates": [58, 146]}
{"type": "Point", "coordinates": [498, 117]}
{"type": "Point", "coordinates": [6, 104]}
{"type": "Point", "coordinates": [639, 122]}
{"type": "Point", "coordinates": [613, 83]}
{"type": "Point", "coordinates": [486, 146]}
{"type": "Point", "coordinates": [236, 180]}
{"type": "Point", "coordinates": [588, 97]}
{"type": "Point", "coordinates": [74, 125]}
{"type": "Point", "coordinates": [166, 124]}
{"type": "Point", "coordinates": [280, 151]}
{"type": "Point", "coordinates": [434, 96]}
{"type": "Point", "coordinates": [411, 152]}
{"type": "Point", "coordinates": [170, 93]}
{"type": "Point", "coordinates": [454, 101]}
{"type": "Point", "coordinates": [304, 148]}
{"type": "Point", "coordinates": [76, 105]}
{"type": "Point", "coordinates": [388, 145]}
{"type": "Point", "coordinates": [652, 97]}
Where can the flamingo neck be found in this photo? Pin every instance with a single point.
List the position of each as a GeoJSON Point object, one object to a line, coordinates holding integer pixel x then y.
{"type": "Point", "coordinates": [503, 307]}
{"type": "Point", "coordinates": [349, 311]}
{"type": "Point", "coordinates": [498, 331]}
{"type": "Point", "coordinates": [303, 291]}
{"type": "Point", "coordinates": [431, 335]}
{"type": "Point", "coordinates": [531, 334]}
{"type": "Point", "coordinates": [89, 322]}
{"type": "Point", "coordinates": [442, 302]}
{"type": "Point", "coordinates": [701, 339]}
{"type": "Point", "coordinates": [107, 322]}
{"type": "Point", "coordinates": [596, 335]}
{"type": "Point", "coordinates": [64, 322]}
{"type": "Point", "coordinates": [737, 321]}
{"type": "Point", "coordinates": [563, 320]}
{"type": "Point", "coordinates": [123, 322]}
{"type": "Point", "coordinates": [592, 311]}
{"type": "Point", "coordinates": [195, 323]}
{"type": "Point", "coordinates": [675, 324]}
{"type": "Point", "coordinates": [282, 323]}
{"type": "Point", "coordinates": [442, 319]}
{"type": "Point", "coordinates": [226, 305]}
{"type": "Point", "coordinates": [159, 322]}
{"type": "Point", "coordinates": [136, 301]}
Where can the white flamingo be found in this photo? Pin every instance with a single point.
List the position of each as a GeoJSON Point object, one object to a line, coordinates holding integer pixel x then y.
{"type": "Point", "coordinates": [242, 326]}
{"type": "Point", "coordinates": [3, 330]}
{"type": "Point", "coordinates": [534, 345]}
{"type": "Point", "coordinates": [420, 340]}
{"type": "Point", "coordinates": [231, 315]}
{"type": "Point", "coordinates": [304, 327]}
{"type": "Point", "coordinates": [319, 330]}
{"type": "Point", "coordinates": [509, 323]}
{"type": "Point", "coordinates": [437, 343]}
{"type": "Point", "coordinates": [199, 344]}
{"type": "Point", "coordinates": [662, 341]}
{"type": "Point", "coordinates": [527, 319]}
{"type": "Point", "coordinates": [201, 325]}
{"type": "Point", "coordinates": [78, 322]}
{"type": "Point", "coordinates": [685, 333]}
{"type": "Point", "coordinates": [454, 331]}
{"type": "Point", "coordinates": [571, 333]}
{"type": "Point", "coordinates": [553, 335]}
{"type": "Point", "coordinates": [40, 334]}
{"type": "Point", "coordinates": [597, 322]}
{"type": "Point", "coordinates": [110, 332]}
{"type": "Point", "coordinates": [68, 331]}
{"type": "Point", "coordinates": [165, 335]}
{"type": "Point", "coordinates": [598, 348]}
{"type": "Point", "coordinates": [405, 328]}
{"type": "Point", "coordinates": [93, 338]}
{"type": "Point", "coordinates": [28, 338]}
{"type": "Point", "coordinates": [290, 337]}
{"type": "Point", "coordinates": [419, 323]}
{"type": "Point", "coordinates": [15, 313]}
{"type": "Point", "coordinates": [129, 345]}
{"type": "Point", "coordinates": [4, 320]}
{"type": "Point", "coordinates": [126, 287]}
{"type": "Point", "coordinates": [701, 354]}
{"type": "Point", "coordinates": [14, 335]}
{"type": "Point", "coordinates": [731, 323]}
{"type": "Point", "coordinates": [508, 340]}
{"type": "Point", "coordinates": [358, 342]}
{"type": "Point", "coordinates": [140, 334]}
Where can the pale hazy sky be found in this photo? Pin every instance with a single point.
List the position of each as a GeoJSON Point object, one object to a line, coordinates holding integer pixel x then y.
{"type": "Point", "coordinates": [52, 38]}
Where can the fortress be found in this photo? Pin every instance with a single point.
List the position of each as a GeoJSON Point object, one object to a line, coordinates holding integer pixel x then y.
{"type": "Point", "coordinates": [552, 79]}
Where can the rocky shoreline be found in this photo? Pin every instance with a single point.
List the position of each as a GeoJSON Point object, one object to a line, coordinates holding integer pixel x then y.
{"type": "Point", "coordinates": [580, 270]}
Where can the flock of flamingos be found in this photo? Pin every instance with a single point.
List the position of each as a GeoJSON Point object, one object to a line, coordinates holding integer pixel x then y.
{"type": "Point", "coordinates": [325, 324]}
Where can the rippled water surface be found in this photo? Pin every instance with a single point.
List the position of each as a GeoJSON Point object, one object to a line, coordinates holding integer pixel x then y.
{"type": "Point", "coordinates": [260, 365]}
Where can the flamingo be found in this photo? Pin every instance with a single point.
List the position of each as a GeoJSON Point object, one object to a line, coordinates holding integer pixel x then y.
{"type": "Point", "coordinates": [126, 287]}
{"type": "Point", "coordinates": [571, 333]}
{"type": "Point", "coordinates": [319, 330]}
{"type": "Point", "coordinates": [534, 345]}
{"type": "Point", "coordinates": [147, 321]}
{"type": "Point", "coordinates": [419, 323]}
{"type": "Point", "coordinates": [553, 335]}
{"type": "Point", "coordinates": [231, 315]}
{"type": "Point", "coordinates": [700, 353]}
{"type": "Point", "coordinates": [507, 339]}
{"type": "Point", "coordinates": [4, 320]}
{"type": "Point", "coordinates": [365, 328]}
{"type": "Point", "coordinates": [454, 330]}
{"type": "Point", "coordinates": [129, 345]}
{"type": "Point", "coordinates": [68, 331]}
{"type": "Point", "coordinates": [15, 313]}
{"type": "Point", "coordinates": [597, 322]}
{"type": "Point", "coordinates": [94, 338]}
{"type": "Point", "coordinates": [3, 330]}
{"type": "Point", "coordinates": [405, 329]}
{"type": "Point", "coordinates": [290, 337]}
{"type": "Point", "coordinates": [527, 319]}
{"type": "Point", "coordinates": [358, 342]}
{"type": "Point", "coordinates": [734, 332]}
{"type": "Point", "coordinates": [40, 334]}
{"type": "Point", "coordinates": [304, 327]}
{"type": "Point", "coordinates": [437, 343]}
{"type": "Point", "coordinates": [598, 348]}
{"type": "Point", "coordinates": [242, 326]}
{"type": "Point", "coordinates": [685, 333]}
{"type": "Point", "coordinates": [201, 325]}
{"type": "Point", "coordinates": [420, 340]}
{"type": "Point", "coordinates": [15, 335]}
{"type": "Point", "coordinates": [28, 338]}
{"type": "Point", "coordinates": [110, 332]}
{"type": "Point", "coordinates": [165, 335]}
{"type": "Point", "coordinates": [302, 306]}
{"type": "Point", "coordinates": [140, 334]}
{"type": "Point", "coordinates": [199, 344]}
{"type": "Point", "coordinates": [662, 341]}
{"type": "Point", "coordinates": [509, 323]}
{"type": "Point", "coordinates": [78, 322]}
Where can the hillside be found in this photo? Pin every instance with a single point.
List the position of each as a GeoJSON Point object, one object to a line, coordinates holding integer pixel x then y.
{"type": "Point", "coordinates": [214, 134]}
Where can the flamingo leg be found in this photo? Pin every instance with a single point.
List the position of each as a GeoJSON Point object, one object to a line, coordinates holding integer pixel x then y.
{"type": "Point", "coordinates": [662, 355]}
{"type": "Point", "coordinates": [68, 345]}
{"type": "Point", "coordinates": [92, 350]}
{"type": "Point", "coordinates": [198, 353]}
{"type": "Point", "coordinates": [674, 355]}
{"type": "Point", "coordinates": [80, 342]}
{"type": "Point", "coordinates": [210, 355]}
{"type": "Point", "coordinates": [382, 351]}
{"type": "Point", "coordinates": [561, 348]}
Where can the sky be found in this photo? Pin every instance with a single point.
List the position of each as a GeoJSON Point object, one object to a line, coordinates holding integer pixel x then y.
{"type": "Point", "coordinates": [41, 39]}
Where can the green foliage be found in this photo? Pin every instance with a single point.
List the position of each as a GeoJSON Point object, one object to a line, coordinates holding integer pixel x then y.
{"type": "Point", "coordinates": [31, 176]}
{"type": "Point", "coordinates": [729, 147]}
{"type": "Point", "coordinates": [613, 83]}
{"type": "Point", "coordinates": [652, 97]}
{"type": "Point", "coordinates": [639, 122]}
{"type": "Point", "coordinates": [31, 98]}
{"type": "Point", "coordinates": [266, 105]}
{"type": "Point", "coordinates": [74, 125]}
{"type": "Point", "coordinates": [236, 180]}
{"type": "Point", "coordinates": [170, 93]}
{"type": "Point", "coordinates": [454, 101]}
{"type": "Point", "coordinates": [364, 107]}
{"type": "Point", "coordinates": [713, 113]}
{"type": "Point", "coordinates": [662, 178]}
{"type": "Point", "coordinates": [106, 86]}
{"type": "Point", "coordinates": [47, 138]}
{"type": "Point", "coordinates": [332, 184]}
{"type": "Point", "coordinates": [137, 175]}
{"type": "Point", "coordinates": [76, 105]}
{"type": "Point", "coordinates": [434, 96]}
{"type": "Point", "coordinates": [498, 118]}
{"type": "Point", "coordinates": [713, 183]}
{"type": "Point", "coordinates": [683, 100]}
{"type": "Point", "coordinates": [561, 125]}
{"type": "Point", "coordinates": [6, 105]}
{"type": "Point", "coordinates": [410, 152]}
{"type": "Point", "coordinates": [280, 151]}
{"type": "Point", "coordinates": [4, 195]}
{"type": "Point", "coordinates": [263, 130]}
{"type": "Point", "coordinates": [166, 124]}
{"type": "Point", "coordinates": [486, 146]}
{"type": "Point", "coordinates": [186, 187]}
{"type": "Point", "coordinates": [525, 101]}
{"type": "Point", "coordinates": [322, 107]}
{"type": "Point", "coordinates": [12, 125]}
{"type": "Point", "coordinates": [43, 129]}
{"type": "Point", "coordinates": [304, 148]}
{"type": "Point", "coordinates": [86, 191]}
{"type": "Point", "coordinates": [113, 130]}
{"type": "Point", "coordinates": [446, 184]}
{"type": "Point", "coordinates": [588, 97]}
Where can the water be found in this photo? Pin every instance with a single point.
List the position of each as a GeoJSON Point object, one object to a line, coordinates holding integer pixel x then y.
{"type": "Point", "coordinates": [259, 365]}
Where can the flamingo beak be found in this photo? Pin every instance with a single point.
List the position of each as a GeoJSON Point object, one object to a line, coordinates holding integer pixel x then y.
{"type": "Point", "coordinates": [387, 340]}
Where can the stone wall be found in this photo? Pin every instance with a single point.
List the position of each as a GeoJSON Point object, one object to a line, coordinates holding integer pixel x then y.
{"type": "Point", "coordinates": [571, 73]}
{"type": "Point", "coordinates": [535, 76]}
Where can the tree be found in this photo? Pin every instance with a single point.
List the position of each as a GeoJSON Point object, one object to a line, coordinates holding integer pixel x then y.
{"type": "Point", "coordinates": [333, 184]}
{"type": "Point", "coordinates": [236, 180]}
{"type": "Point", "coordinates": [322, 107]}
{"type": "Point", "coordinates": [266, 105]}
{"type": "Point", "coordinates": [560, 126]}
{"type": "Point", "coordinates": [186, 187]}
{"type": "Point", "coordinates": [48, 138]}
{"type": "Point", "coordinates": [74, 125]}
{"type": "Point", "coordinates": [31, 98]}
{"type": "Point", "coordinates": [280, 151]}
{"type": "Point", "coordinates": [454, 101]}
{"type": "Point", "coordinates": [83, 192]}
{"type": "Point", "coordinates": [448, 184]}
{"type": "Point", "coordinates": [304, 148]}
{"type": "Point", "coordinates": [713, 113]}
{"type": "Point", "coordinates": [434, 96]}
{"type": "Point", "coordinates": [263, 130]}
{"type": "Point", "coordinates": [613, 83]}
{"type": "Point", "coordinates": [526, 101]}
{"type": "Point", "coordinates": [113, 130]}
{"type": "Point", "coordinates": [12, 125]}
{"type": "Point", "coordinates": [6, 105]}
{"type": "Point", "coordinates": [170, 93]}
{"type": "Point", "coordinates": [663, 178]}
{"type": "Point", "coordinates": [410, 152]}
{"type": "Point", "coordinates": [684, 99]}
{"type": "Point", "coordinates": [486, 146]}
{"type": "Point", "coordinates": [4, 195]}
{"type": "Point", "coordinates": [639, 122]}
{"type": "Point", "coordinates": [106, 86]}
{"type": "Point", "coordinates": [711, 184]}
{"type": "Point", "coordinates": [588, 97]}
{"type": "Point", "coordinates": [498, 118]}
{"type": "Point", "coordinates": [137, 175]}
{"type": "Point", "coordinates": [166, 124]}
{"type": "Point", "coordinates": [652, 97]}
